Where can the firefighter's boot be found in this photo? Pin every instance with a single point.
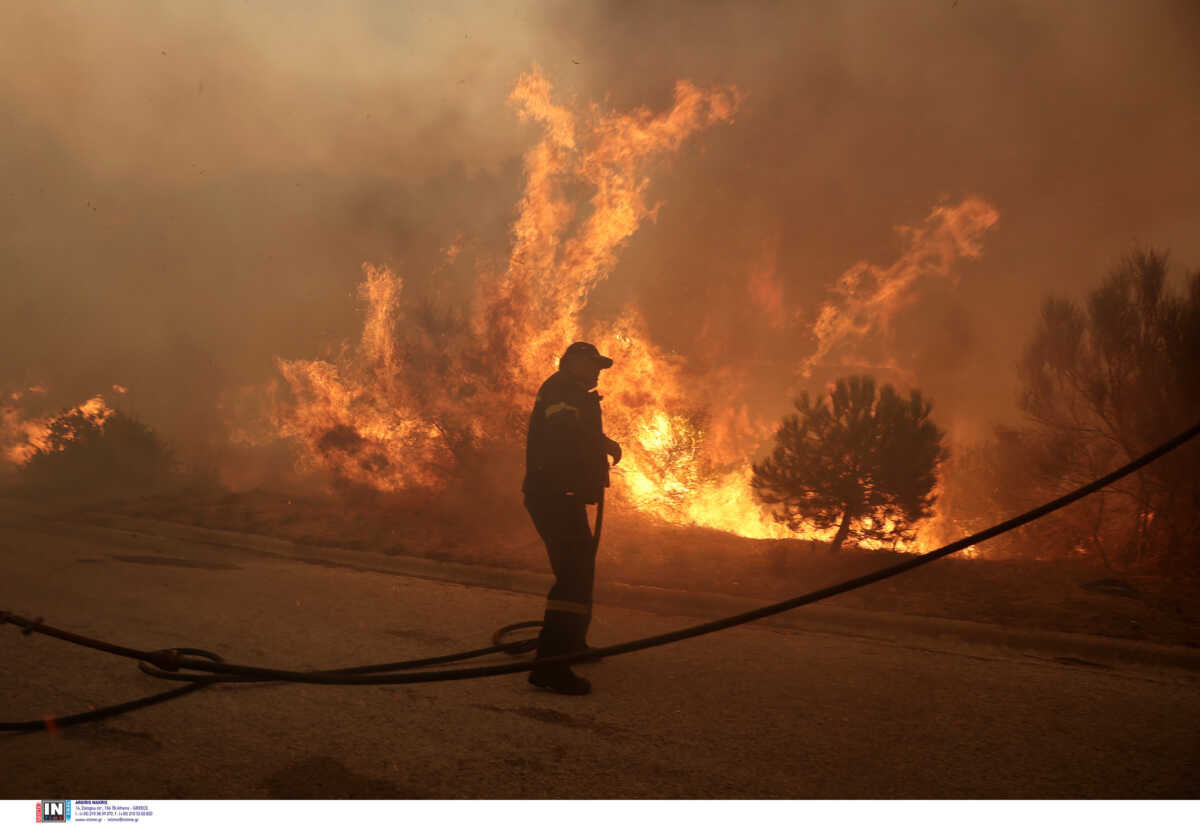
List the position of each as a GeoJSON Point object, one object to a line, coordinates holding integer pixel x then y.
{"type": "Point", "coordinates": [578, 636]}
{"type": "Point", "coordinates": [554, 640]}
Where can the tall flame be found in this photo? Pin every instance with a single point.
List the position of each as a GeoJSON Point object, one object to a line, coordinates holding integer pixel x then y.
{"type": "Point", "coordinates": [551, 270]}
{"type": "Point", "coordinates": [421, 396]}
{"type": "Point", "coordinates": [357, 417]}
{"type": "Point", "coordinates": [374, 419]}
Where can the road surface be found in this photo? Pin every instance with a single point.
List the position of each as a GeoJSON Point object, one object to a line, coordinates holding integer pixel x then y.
{"type": "Point", "coordinates": [753, 712]}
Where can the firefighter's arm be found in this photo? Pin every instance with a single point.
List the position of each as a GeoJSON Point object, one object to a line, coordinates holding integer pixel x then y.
{"type": "Point", "coordinates": [612, 448]}
{"type": "Point", "coordinates": [592, 440]}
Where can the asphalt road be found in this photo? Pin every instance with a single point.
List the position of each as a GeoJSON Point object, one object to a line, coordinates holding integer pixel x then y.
{"type": "Point", "coordinates": [753, 712]}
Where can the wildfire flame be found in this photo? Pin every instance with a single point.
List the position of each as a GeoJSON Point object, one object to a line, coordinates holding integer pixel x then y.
{"type": "Point", "coordinates": [866, 297]}
{"type": "Point", "coordinates": [23, 437]}
{"type": "Point", "coordinates": [416, 399]}
{"type": "Point", "coordinates": [370, 418]}
{"type": "Point", "coordinates": [358, 417]}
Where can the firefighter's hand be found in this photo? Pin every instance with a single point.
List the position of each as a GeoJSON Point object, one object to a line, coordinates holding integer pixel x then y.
{"type": "Point", "coordinates": [613, 448]}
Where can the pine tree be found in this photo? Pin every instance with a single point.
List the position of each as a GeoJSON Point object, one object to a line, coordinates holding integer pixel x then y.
{"type": "Point", "coordinates": [866, 462]}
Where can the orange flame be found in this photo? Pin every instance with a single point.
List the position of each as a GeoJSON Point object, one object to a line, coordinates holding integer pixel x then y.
{"type": "Point", "coordinates": [23, 437]}
{"type": "Point", "coordinates": [413, 402]}
{"type": "Point", "coordinates": [355, 417]}
{"type": "Point", "coordinates": [550, 272]}
{"type": "Point", "coordinates": [371, 419]}
{"type": "Point", "coordinates": [866, 297]}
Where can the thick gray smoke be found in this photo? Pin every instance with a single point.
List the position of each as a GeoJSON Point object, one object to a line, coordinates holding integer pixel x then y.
{"type": "Point", "coordinates": [191, 187]}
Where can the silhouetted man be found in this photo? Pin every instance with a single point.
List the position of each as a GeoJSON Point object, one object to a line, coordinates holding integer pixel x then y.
{"type": "Point", "coordinates": [566, 468]}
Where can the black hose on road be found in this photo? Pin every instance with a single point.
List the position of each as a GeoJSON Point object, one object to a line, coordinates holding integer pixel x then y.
{"type": "Point", "coordinates": [166, 664]}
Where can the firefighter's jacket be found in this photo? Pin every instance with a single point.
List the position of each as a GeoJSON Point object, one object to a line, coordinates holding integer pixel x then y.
{"type": "Point", "coordinates": [566, 448]}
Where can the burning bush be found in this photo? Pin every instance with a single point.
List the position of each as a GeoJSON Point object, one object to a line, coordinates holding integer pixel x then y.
{"type": "Point", "coordinates": [84, 452]}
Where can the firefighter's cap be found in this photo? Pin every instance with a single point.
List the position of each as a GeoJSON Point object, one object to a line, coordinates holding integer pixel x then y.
{"type": "Point", "coordinates": [585, 351]}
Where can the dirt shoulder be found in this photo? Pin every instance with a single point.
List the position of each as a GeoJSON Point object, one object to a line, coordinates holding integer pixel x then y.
{"type": "Point", "coordinates": [1066, 596]}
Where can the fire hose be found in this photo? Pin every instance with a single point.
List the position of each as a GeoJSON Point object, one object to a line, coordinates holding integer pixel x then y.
{"type": "Point", "coordinates": [209, 668]}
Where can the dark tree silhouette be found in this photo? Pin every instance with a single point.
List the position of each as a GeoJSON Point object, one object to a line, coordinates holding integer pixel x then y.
{"type": "Point", "coordinates": [1104, 383]}
{"type": "Point", "coordinates": [120, 453]}
{"type": "Point", "coordinates": [866, 461]}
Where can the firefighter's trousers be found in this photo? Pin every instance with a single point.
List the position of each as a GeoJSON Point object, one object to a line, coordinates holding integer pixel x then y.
{"type": "Point", "coordinates": [562, 523]}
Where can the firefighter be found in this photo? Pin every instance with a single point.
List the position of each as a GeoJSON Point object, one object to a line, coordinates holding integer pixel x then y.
{"type": "Point", "coordinates": [566, 468]}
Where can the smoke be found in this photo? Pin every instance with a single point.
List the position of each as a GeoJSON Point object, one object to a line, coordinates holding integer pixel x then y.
{"type": "Point", "coordinates": [192, 188]}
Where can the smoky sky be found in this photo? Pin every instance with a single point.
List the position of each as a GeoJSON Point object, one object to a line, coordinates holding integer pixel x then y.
{"type": "Point", "coordinates": [190, 188]}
